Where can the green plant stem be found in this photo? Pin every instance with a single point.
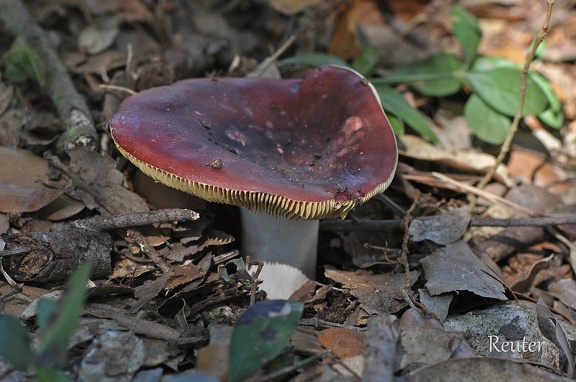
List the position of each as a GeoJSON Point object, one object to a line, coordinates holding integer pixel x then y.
{"type": "Point", "coordinates": [55, 82]}
{"type": "Point", "coordinates": [505, 148]}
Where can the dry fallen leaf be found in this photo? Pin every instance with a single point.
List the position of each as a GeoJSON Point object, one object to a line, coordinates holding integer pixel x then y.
{"type": "Point", "coordinates": [100, 184]}
{"type": "Point", "coordinates": [427, 346]}
{"type": "Point", "coordinates": [456, 268]}
{"type": "Point", "coordinates": [378, 293]}
{"type": "Point", "coordinates": [466, 160]}
{"type": "Point", "coordinates": [443, 229]}
{"type": "Point", "coordinates": [21, 182]}
{"type": "Point", "coordinates": [342, 342]}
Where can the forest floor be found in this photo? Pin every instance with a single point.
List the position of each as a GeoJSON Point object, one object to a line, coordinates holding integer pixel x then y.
{"type": "Point", "coordinates": [436, 279]}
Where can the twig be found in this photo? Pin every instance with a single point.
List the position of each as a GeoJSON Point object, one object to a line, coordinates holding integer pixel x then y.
{"type": "Point", "coordinates": [135, 237]}
{"type": "Point", "coordinates": [403, 258]}
{"type": "Point", "coordinates": [268, 61]}
{"type": "Point", "coordinates": [380, 225]}
{"type": "Point", "coordinates": [505, 148]}
{"type": "Point", "coordinates": [117, 88]}
{"type": "Point", "coordinates": [486, 195]}
{"type": "Point", "coordinates": [52, 76]}
{"type": "Point", "coordinates": [319, 323]}
{"type": "Point", "coordinates": [104, 223]}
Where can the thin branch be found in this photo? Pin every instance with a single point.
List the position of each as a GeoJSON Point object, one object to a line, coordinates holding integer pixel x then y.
{"type": "Point", "coordinates": [381, 225]}
{"type": "Point", "coordinates": [104, 223]}
{"type": "Point", "coordinates": [505, 148]}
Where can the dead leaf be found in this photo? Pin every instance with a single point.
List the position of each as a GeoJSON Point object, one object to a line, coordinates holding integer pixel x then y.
{"type": "Point", "coordinates": [439, 305]}
{"type": "Point", "coordinates": [381, 350]}
{"type": "Point", "coordinates": [100, 184]}
{"type": "Point", "coordinates": [213, 359]}
{"type": "Point", "coordinates": [565, 291]}
{"type": "Point", "coordinates": [427, 346]}
{"type": "Point", "coordinates": [291, 7]}
{"type": "Point", "coordinates": [22, 177]}
{"type": "Point", "coordinates": [443, 229]}
{"type": "Point", "coordinates": [111, 356]}
{"type": "Point", "coordinates": [378, 293]}
{"type": "Point", "coordinates": [189, 272]}
{"type": "Point", "coordinates": [345, 42]}
{"type": "Point", "coordinates": [16, 198]}
{"type": "Point", "coordinates": [523, 283]}
{"type": "Point", "coordinates": [456, 268]}
{"type": "Point", "coordinates": [99, 35]}
{"type": "Point", "coordinates": [466, 160]}
{"type": "Point", "coordinates": [342, 342]}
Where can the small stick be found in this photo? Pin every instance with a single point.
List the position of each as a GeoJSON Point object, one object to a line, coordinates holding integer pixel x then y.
{"type": "Point", "coordinates": [117, 88]}
{"type": "Point", "coordinates": [479, 192]}
{"type": "Point", "coordinates": [268, 61]}
{"type": "Point", "coordinates": [104, 223]}
{"type": "Point", "coordinates": [135, 237]}
{"type": "Point", "coordinates": [505, 148]}
{"type": "Point", "coordinates": [379, 225]}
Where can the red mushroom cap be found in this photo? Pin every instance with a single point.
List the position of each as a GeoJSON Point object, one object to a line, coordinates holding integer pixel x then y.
{"type": "Point", "coordinates": [297, 148]}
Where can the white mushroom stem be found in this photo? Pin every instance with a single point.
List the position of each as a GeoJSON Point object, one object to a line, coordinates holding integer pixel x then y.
{"type": "Point", "coordinates": [287, 248]}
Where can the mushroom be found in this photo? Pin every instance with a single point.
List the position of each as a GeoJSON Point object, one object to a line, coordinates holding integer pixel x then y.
{"type": "Point", "coordinates": [288, 152]}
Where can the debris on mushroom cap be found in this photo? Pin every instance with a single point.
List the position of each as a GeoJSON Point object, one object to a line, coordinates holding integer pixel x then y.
{"type": "Point", "coordinates": [296, 148]}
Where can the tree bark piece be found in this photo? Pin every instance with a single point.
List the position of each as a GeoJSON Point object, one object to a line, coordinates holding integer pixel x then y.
{"type": "Point", "coordinates": [53, 78]}
{"type": "Point", "coordinates": [53, 256]}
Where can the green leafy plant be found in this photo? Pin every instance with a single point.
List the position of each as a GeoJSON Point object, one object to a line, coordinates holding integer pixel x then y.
{"type": "Point", "coordinates": [20, 65]}
{"type": "Point", "coordinates": [56, 321]}
{"type": "Point", "coordinates": [494, 84]}
{"type": "Point", "coordinates": [261, 333]}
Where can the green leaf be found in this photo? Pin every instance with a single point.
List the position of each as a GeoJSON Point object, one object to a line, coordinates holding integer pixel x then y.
{"type": "Point", "coordinates": [260, 335]}
{"type": "Point", "coordinates": [63, 321]}
{"type": "Point", "coordinates": [487, 124]}
{"type": "Point", "coordinates": [486, 63]}
{"type": "Point", "coordinates": [20, 63]}
{"type": "Point", "coordinates": [396, 123]}
{"type": "Point", "coordinates": [47, 308]}
{"type": "Point", "coordinates": [366, 61]}
{"type": "Point", "coordinates": [438, 75]}
{"type": "Point", "coordinates": [467, 31]}
{"type": "Point", "coordinates": [554, 115]}
{"type": "Point", "coordinates": [313, 59]}
{"type": "Point", "coordinates": [48, 375]}
{"type": "Point", "coordinates": [397, 105]}
{"type": "Point", "coordinates": [554, 119]}
{"type": "Point", "coordinates": [15, 343]}
{"type": "Point", "coordinates": [500, 88]}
